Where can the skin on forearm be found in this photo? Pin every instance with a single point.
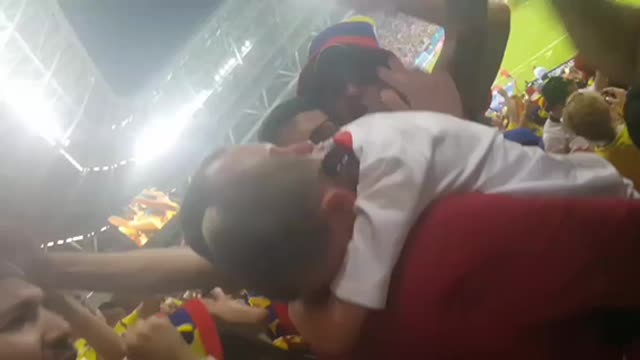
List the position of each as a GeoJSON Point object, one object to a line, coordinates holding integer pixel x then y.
{"type": "Point", "coordinates": [512, 109]}
{"type": "Point", "coordinates": [332, 328]}
{"type": "Point", "coordinates": [107, 344]}
{"type": "Point", "coordinates": [473, 53]}
{"type": "Point", "coordinates": [140, 272]}
{"type": "Point", "coordinates": [606, 34]}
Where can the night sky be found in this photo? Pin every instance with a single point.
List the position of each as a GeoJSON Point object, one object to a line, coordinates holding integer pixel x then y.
{"type": "Point", "coordinates": [130, 41]}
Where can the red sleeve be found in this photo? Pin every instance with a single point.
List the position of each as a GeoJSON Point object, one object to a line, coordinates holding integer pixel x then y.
{"type": "Point", "coordinates": [494, 277]}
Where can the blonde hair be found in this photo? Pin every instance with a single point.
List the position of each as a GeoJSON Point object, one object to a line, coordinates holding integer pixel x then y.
{"type": "Point", "coordinates": [588, 115]}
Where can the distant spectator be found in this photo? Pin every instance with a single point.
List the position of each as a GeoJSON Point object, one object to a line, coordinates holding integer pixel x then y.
{"type": "Point", "coordinates": [556, 137]}
{"type": "Point", "coordinates": [589, 115]}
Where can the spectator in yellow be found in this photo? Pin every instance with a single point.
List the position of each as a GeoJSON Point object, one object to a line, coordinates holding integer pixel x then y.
{"type": "Point", "coordinates": [589, 115]}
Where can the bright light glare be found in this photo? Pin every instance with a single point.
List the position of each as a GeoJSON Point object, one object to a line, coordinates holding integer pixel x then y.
{"type": "Point", "coordinates": [28, 102]}
{"type": "Point", "coordinates": [232, 63]}
{"type": "Point", "coordinates": [162, 135]}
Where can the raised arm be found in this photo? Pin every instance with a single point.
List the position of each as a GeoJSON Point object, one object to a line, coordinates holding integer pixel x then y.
{"type": "Point", "coordinates": [512, 108]}
{"type": "Point", "coordinates": [607, 35]}
{"type": "Point", "coordinates": [107, 344]}
{"type": "Point", "coordinates": [476, 39]}
{"type": "Point", "coordinates": [141, 271]}
{"type": "Point", "coordinates": [477, 32]}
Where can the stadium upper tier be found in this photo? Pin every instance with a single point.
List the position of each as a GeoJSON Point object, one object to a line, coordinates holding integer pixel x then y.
{"type": "Point", "coordinates": [244, 56]}
{"type": "Point", "coordinates": [242, 59]}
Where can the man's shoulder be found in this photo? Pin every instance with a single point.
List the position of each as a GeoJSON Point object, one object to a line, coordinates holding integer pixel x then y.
{"type": "Point", "coordinates": [402, 115]}
{"type": "Point", "coordinates": [410, 121]}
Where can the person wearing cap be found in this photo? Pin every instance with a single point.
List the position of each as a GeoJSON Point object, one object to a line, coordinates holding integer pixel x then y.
{"type": "Point", "coordinates": [349, 60]}
{"type": "Point", "coordinates": [476, 38]}
{"type": "Point", "coordinates": [341, 75]}
{"type": "Point", "coordinates": [340, 82]}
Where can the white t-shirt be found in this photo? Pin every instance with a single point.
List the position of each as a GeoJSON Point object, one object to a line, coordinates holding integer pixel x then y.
{"type": "Point", "coordinates": [559, 140]}
{"type": "Point", "coordinates": [409, 159]}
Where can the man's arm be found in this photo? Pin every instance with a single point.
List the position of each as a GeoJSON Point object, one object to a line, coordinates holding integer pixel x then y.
{"type": "Point", "coordinates": [96, 332]}
{"type": "Point", "coordinates": [477, 32]}
{"type": "Point", "coordinates": [476, 39]}
{"type": "Point", "coordinates": [512, 108]}
{"type": "Point", "coordinates": [330, 329]}
{"type": "Point", "coordinates": [141, 271]}
{"type": "Point", "coordinates": [607, 35]}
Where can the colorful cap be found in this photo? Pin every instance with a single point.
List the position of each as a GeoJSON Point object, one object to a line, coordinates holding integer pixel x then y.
{"type": "Point", "coordinates": [355, 31]}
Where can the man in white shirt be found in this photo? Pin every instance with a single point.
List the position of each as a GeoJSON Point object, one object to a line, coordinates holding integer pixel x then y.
{"type": "Point", "coordinates": [556, 137]}
{"type": "Point", "coordinates": [290, 222]}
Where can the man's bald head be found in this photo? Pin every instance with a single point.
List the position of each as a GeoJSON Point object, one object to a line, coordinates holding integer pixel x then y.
{"type": "Point", "coordinates": [255, 214]}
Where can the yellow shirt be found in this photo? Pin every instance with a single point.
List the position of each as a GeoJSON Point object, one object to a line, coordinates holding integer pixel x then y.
{"type": "Point", "coordinates": [624, 155]}
{"type": "Point", "coordinates": [85, 352]}
{"type": "Point", "coordinates": [124, 324]}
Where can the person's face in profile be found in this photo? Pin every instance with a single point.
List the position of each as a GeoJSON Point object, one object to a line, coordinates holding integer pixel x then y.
{"type": "Point", "coordinates": [28, 331]}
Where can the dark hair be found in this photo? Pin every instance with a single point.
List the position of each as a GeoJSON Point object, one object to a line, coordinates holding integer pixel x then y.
{"type": "Point", "coordinates": [282, 116]}
{"type": "Point", "coordinates": [267, 235]}
{"type": "Point", "coordinates": [556, 91]}
{"type": "Point", "coordinates": [194, 206]}
{"type": "Point", "coordinates": [327, 78]}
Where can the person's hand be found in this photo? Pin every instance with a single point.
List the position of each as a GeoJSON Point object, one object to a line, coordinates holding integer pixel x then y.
{"type": "Point", "coordinates": [233, 311]}
{"type": "Point", "coordinates": [417, 90]}
{"type": "Point", "coordinates": [156, 339]}
{"type": "Point", "coordinates": [498, 122]}
{"type": "Point", "coordinates": [616, 98]}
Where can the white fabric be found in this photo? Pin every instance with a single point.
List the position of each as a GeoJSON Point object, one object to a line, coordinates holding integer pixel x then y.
{"type": "Point", "coordinates": [409, 159]}
{"type": "Point", "coordinates": [560, 140]}
{"type": "Point", "coordinates": [539, 72]}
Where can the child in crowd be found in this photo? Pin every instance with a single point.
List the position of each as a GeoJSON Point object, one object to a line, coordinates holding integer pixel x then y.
{"type": "Point", "coordinates": [293, 223]}
{"type": "Point", "coordinates": [589, 116]}
{"type": "Point", "coordinates": [556, 137]}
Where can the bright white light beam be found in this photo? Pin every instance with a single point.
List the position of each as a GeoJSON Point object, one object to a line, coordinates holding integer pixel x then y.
{"type": "Point", "coordinates": [162, 135]}
{"type": "Point", "coordinates": [27, 101]}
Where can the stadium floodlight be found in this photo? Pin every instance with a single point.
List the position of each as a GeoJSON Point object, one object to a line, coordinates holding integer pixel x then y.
{"type": "Point", "coordinates": [27, 101]}
{"type": "Point", "coordinates": [163, 134]}
{"type": "Point", "coordinates": [232, 63]}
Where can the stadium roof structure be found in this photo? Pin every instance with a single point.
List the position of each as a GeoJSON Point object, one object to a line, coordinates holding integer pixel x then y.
{"type": "Point", "coordinates": [95, 149]}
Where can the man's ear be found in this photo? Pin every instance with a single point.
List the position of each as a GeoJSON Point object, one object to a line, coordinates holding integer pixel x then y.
{"type": "Point", "coordinates": [338, 207]}
{"type": "Point", "coordinates": [210, 223]}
